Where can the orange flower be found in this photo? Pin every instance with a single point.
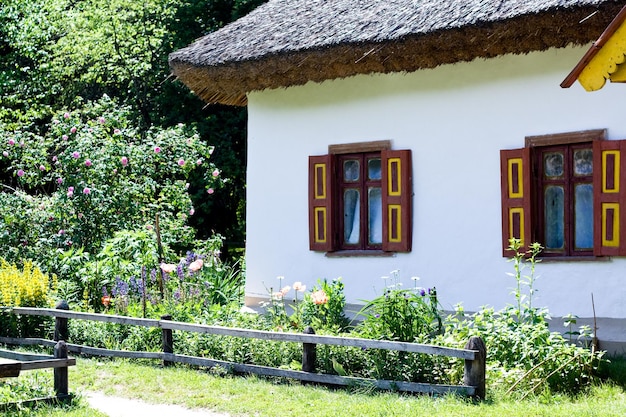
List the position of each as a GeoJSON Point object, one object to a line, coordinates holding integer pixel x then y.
{"type": "Point", "coordinates": [106, 301]}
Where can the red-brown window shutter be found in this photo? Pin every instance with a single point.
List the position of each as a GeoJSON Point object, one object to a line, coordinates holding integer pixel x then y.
{"type": "Point", "coordinates": [516, 198]}
{"type": "Point", "coordinates": [397, 190]}
{"type": "Point", "coordinates": [609, 187]}
{"type": "Point", "coordinates": [321, 224]}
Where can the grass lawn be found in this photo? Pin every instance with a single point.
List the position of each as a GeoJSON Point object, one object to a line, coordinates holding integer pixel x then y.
{"type": "Point", "coordinates": [252, 396]}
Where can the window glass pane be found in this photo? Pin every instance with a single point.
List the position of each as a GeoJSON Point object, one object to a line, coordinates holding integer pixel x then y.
{"type": "Point", "coordinates": [583, 162]}
{"type": "Point", "coordinates": [373, 169]}
{"type": "Point", "coordinates": [351, 216]}
{"type": "Point", "coordinates": [351, 170]}
{"type": "Point", "coordinates": [554, 217]}
{"type": "Point", "coordinates": [583, 195]}
{"type": "Point", "coordinates": [553, 164]}
{"type": "Point", "coordinates": [375, 218]}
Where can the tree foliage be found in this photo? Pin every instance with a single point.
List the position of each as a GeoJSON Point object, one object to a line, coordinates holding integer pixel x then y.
{"type": "Point", "coordinates": [61, 55]}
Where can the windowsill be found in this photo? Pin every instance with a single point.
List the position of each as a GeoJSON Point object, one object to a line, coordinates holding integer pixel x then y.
{"type": "Point", "coordinates": [359, 254]}
{"type": "Point", "coordinates": [590, 258]}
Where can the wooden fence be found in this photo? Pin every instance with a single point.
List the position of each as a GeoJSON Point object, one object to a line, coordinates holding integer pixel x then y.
{"type": "Point", "coordinates": [474, 353]}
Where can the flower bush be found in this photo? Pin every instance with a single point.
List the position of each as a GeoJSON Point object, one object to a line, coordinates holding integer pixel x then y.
{"type": "Point", "coordinates": [25, 287]}
{"type": "Point", "coordinates": [93, 174]}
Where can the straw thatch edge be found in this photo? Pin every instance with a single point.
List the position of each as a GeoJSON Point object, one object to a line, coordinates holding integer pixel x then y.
{"type": "Point", "coordinates": [229, 83]}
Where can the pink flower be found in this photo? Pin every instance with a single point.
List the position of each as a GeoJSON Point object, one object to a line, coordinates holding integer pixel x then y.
{"type": "Point", "coordinates": [86, 190]}
{"type": "Point", "coordinates": [191, 212]}
{"type": "Point", "coordinates": [80, 215]}
{"type": "Point", "coordinates": [70, 188]}
{"type": "Point", "coordinates": [64, 137]}
{"type": "Point", "coordinates": [11, 142]}
{"type": "Point", "coordinates": [285, 290]}
{"type": "Point", "coordinates": [21, 144]}
{"type": "Point", "coordinates": [66, 115]}
{"type": "Point", "coordinates": [20, 172]}
{"type": "Point", "coordinates": [116, 131]}
{"type": "Point", "coordinates": [61, 232]}
{"type": "Point", "coordinates": [90, 130]}
{"type": "Point", "coordinates": [73, 129]}
{"type": "Point", "coordinates": [88, 162]}
{"type": "Point", "coordinates": [115, 170]}
{"type": "Point", "coordinates": [319, 297]}
{"type": "Point", "coordinates": [54, 158]}
{"type": "Point", "coordinates": [100, 119]}
{"type": "Point", "coordinates": [124, 161]}
{"type": "Point", "coordinates": [210, 191]}
{"type": "Point", "coordinates": [157, 149]}
{"type": "Point", "coordinates": [168, 268]}
{"type": "Point", "coordinates": [298, 286]}
{"type": "Point", "coordinates": [196, 265]}
{"type": "Point", "coordinates": [199, 162]}
{"type": "Point", "coordinates": [70, 193]}
{"type": "Point", "coordinates": [42, 168]}
{"type": "Point", "coordinates": [216, 172]}
{"type": "Point", "coordinates": [76, 154]}
{"type": "Point", "coordinates": [181, 162]}
{"type": "Point", "coordinates": [56, 121]}
{"type": "Point", "coordinates": [59, 181]}
{"type": "Point", "coordinates": [5, 153]}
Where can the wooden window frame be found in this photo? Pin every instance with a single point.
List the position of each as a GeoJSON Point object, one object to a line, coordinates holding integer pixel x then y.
{"type": "Point", "coordinates": [325, 216]}
{"type": "Point", "coordinates": [521, 205]}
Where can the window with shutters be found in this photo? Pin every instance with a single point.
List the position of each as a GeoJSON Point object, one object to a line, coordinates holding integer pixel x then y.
{"type": "Point", "coordinates": [566, 192]}
{"type": "Point", "coordinates": [360, 199]}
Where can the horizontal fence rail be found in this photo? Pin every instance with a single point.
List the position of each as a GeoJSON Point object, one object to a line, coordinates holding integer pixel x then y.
{"type": "Point", "coordinates": [473, 354]}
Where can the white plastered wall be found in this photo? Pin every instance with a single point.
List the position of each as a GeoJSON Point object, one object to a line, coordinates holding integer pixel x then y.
{"type": "Point", "coordinates": [455, 118]}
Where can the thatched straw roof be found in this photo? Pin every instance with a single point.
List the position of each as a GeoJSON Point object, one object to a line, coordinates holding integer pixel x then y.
{"type": "Point", "coordinates": [289, 42]}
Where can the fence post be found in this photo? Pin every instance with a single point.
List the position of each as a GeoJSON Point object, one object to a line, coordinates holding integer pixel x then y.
{"type": "Point", "coordinates": [168, 340]}
{"type": "Point", "coordinates": [60, 325]}
{"type": "Point", "coordinates": [475, 371]}
{"type": "Point", "coordinates": [309, 353]}
{"type": "Point", "coordinates": [60, 374]}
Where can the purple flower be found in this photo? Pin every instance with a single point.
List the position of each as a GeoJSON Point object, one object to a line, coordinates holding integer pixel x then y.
{"type": "Point", "coordinates": [88, 162]}
{"type": "Point", "coordinates": [181, 162]}
{"type": "Point", "coordinates": [86, 190]}
{"type": "Point", "coordinates": [59, 181]}
{"type": "Point", "coordinates": [11, 142]}
{"type": "Point", "coordinates": [100, 119]}
{"type": "Point", "coordinates": [73, 129]}
{"type": "Point", "coordinates": [20, 172]}
{"type": "Point", "coordinates": [157, 149]}
{"type": "Point", "coordinates": [124, 161]}
{"type": "Point", "coordinates": [422, 292]}
{"type": "Point", "coordinates": [5, 153]}
{"type": "Point", "coordinates": [64, 137]}
{"type": "Point", "coordinates": [75, 154]}
{"type": "Point", "coordinates": [42, 168]}
{"type": "Point", "coordinates": [66, 115]}
{"type": "Point", "coordinates": [116, 131]}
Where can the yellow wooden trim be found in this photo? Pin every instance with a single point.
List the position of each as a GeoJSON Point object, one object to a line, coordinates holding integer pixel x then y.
{"type": "Point", "coordinates": [606, 62]}
{"type": "Point", "coordinates": [323, 194]}
{"type": "Point", "coordinates": [320, 226]}
{"type": "Point", "coordinates": [619, 76]}
{"type": "Point", "coordinates": [520, 211]}
{"type": "Point", "coordinates": [390, 210]}
{"type": "Point", "coordinates": [520, 176]}
{"type": "Point", "coordinates": [614, 243]}
{"type": "Point", "coordinates": [616, 172]}
{"type": "Point", "coordinates": [390, 191]}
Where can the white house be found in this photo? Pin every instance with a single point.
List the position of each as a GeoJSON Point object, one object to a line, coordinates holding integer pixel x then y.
{"type": "Point", "coordinates": [376, 132]}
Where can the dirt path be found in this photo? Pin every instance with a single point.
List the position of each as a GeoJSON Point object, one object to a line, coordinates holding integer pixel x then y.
{"type": "Point", "coordinates": [123, 407]}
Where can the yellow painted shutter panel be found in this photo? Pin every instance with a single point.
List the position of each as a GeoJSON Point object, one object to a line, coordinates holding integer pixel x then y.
{"type": "Point", "coordinates": [397, 194]}
{"type": "Point", "coordinates": [516, 197]}
{"type": "Point", "coordinates": [321, 222]}
{"type": "Point", "coordinates": [609, 186]}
